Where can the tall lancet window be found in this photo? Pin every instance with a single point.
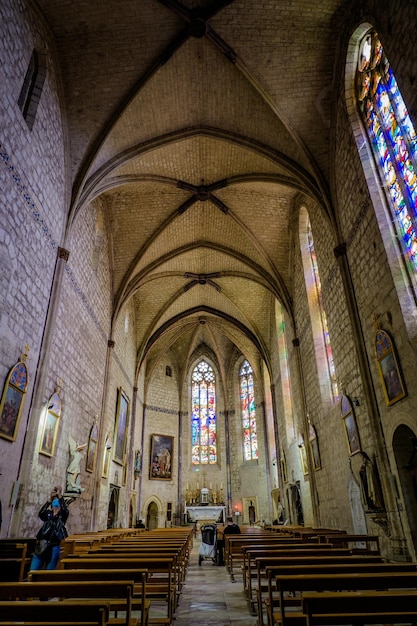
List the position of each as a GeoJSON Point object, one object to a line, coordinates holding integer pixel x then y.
{"type": "Point", "coordinates": [323, 346]}
{"type": "Point", "coordinates": [393, 140]}
{"type": "Point", "coordinates": [203, 420]}
{"type": "Point", "coordinates": [247, 405]}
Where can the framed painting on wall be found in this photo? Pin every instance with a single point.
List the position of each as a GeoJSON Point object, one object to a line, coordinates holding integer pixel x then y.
{"type": "Point", "coordinates": [303, 455]}
{"type": "Point", "coordinates": [120, 429]}
{"type": "Point", "coordinates": [388, 367]}
{"type": "Point", "coordinates": [351, 430]}
{"type": "Point", "coordinates": [12, 399]}
{"type": "Point", "coordinates": [161, 457]}
{"type": "Point", "coordinates": [314, 446]}
{"type": "Point", "coordinates": [106, 458]}
{"type": "Point", "coordinates": [92, 449]}
{"type": "Point", "coordinates": [50, 426]}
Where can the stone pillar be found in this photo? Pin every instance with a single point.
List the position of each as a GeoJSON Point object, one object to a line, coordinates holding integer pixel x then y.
{"type": "Point", "coordinates": [395, 527]}
{"type": "Point", "coordinates": [38, 394]}
{"type": "Point", "coordinates": [95, 510]}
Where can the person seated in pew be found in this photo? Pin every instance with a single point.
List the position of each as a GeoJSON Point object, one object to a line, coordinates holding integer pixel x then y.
{"type": "Point", "coordinates": [230, 529]}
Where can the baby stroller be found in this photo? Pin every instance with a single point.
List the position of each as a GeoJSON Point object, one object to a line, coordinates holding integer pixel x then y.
{"type": "Point", "coordinates": [208, 547]}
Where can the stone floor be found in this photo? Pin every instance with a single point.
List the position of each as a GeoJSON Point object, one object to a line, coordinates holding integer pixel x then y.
{"type": "Point", "coordinates": [209, 598]}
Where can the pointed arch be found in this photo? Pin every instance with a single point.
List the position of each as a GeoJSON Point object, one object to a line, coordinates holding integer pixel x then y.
{"type": "Point", "coordinates": [321, 335]}
{"type": "Point", "coordinates": [203, 415]}
{"type": "Point", "coordinates": [248, 412]}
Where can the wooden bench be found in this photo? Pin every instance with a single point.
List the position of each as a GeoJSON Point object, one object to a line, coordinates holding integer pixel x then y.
{"type": "Point", "coordinates": [88, 613]}
{"type": "Point", "coordinates": [360, 607]}
{"type": "Point", "coordinates": [161, 584]}
{"type": "Point", "coordinates": [268, 567]}
{"type": "Point", "coordinates": [14, 561]}
{"type": "Point", "coordinates": [370, 543]}
{"type": "Point", "coordinates": [297, 584]}
{"type": "Point", "coordinates": [118, 594]}
{"type": "Point", "coordinates": [140, 601]}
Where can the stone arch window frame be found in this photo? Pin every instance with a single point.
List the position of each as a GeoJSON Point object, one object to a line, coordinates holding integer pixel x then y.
{"type": "Point", "coordinates": [196, 459]}
{"type": "Point", "coordinates": [246, 372]}
{"type": "Point", "coordinates": [321, 335]}
{"type": "Point", "coordinates": [380, 201]}
{"type": "Point", "coordinates": [32, 87]}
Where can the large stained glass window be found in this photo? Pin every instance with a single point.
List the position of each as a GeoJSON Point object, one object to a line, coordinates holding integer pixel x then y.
{"type": "Point", "coordinates": [203, 420]}
{"type": "Point", "coordinates": [247, 404]}
{"type": "Point", "coordinates": [323, 318]}
{"type": "Point", "coordinates": [393, 139]}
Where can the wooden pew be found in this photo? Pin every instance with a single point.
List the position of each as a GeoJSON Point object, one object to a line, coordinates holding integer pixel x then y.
{"type": "Point", "coordinates": [360, 607]}
{"type": "Point", "coordinates": [140, 601]}
{"type": "Point", "coordinates": [296, 584]}
{"type": "Point", "coordinates": [118, 594]}
{"type": "Point", "coordinates": [371, 542]}
{"type": "Point", "coordinates": [14, 561]}
{"type": "Point", "coordinates": [91, 613]}
{"type": "Point", "coordinates": [161, 584]}
{"type": "Point", "coordinates": [268, 567]}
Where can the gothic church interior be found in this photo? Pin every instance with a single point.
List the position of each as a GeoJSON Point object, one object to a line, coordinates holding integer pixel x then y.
{"type": "Point", "coordinates": [208, 263]}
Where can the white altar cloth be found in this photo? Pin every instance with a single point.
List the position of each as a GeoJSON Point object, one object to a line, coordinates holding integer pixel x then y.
{"type": "Point", "coordinates": [209, 513]}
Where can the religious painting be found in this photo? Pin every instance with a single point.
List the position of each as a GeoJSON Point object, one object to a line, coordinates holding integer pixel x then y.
{"type": "Point", "coordinates": [303, 455]}
{"type": "Point", "coordinates": [388, 367]}
{"type": "Point", "coordinates": [106, 458]}
{"type": "Point", "coordinates": [92, 449]}
{"type": "Point", "coordinates": [314, 446]}
{"type": "Point", "coordinates": [161, 457]}
{"type": "Point", "coordinates": [351, 431]}
{"type": "Point", "coordinates": [11, 403]}
{"type": "Point", "coordinates": [120, 431]}
{"type": "Point", "coordinates": [50, 425]}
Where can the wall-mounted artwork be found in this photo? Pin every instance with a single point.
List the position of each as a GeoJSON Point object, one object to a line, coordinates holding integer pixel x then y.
{"type": "Point", "coordinates": [161, 457]}
{"type": "Point", "coordinates": [388, 367]}
{"type": "Point", "coordinates": [351, 431]}
{"type": "Point", "coordinates": [303, 455]}
{"type": "Point", "coordinates": [121, 424]}
{"type": "Point", "coordinates": [12, 399]}
{"type": "Point", "coordinates": [283, 462]}
{"type": "Point", "coordinates": [314, 446]}
{"type": "Point", "coordinates": [50, 426]}
{"type": "Point", "coordinates": [107, 457]}
{"type": "Point", "coordinates": [92, 449]}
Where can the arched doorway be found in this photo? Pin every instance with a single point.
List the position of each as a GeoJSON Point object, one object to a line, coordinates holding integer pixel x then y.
{"type": "Point", "coordinates": [152, 516]}
{"type": "Point", "coordinates": [113, 508]}
{"type": "Point", "coordinates": [405, 451]}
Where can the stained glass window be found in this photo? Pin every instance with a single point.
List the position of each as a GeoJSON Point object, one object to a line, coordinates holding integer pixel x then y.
{"type": "Point", "coordinates": [203, 420]}
{"type": "Point", "coordinates": [247, 404]}
{"type": "Point", "coordinates": [393, 140]}
{"type": "Point", "coordinates": [323, 318]}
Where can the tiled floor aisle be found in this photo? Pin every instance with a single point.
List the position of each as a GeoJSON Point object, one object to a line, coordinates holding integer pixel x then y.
{"type": "Point", "coordinates": [209, 598]}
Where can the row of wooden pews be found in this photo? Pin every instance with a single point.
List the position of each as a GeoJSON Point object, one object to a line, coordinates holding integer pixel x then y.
{"type": "Point", "coordinates": [121, 575]}
{"type": "Point", "coordinates": [285, 575]}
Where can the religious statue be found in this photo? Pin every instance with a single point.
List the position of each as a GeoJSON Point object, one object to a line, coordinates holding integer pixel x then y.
{"type": "Point", "coordinates": [74, 467]}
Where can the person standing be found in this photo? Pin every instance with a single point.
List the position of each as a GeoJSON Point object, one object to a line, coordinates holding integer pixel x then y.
{"type": "Point", "coordinates": [54, 514]}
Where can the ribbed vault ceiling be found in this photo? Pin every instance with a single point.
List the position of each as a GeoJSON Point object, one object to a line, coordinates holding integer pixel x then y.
{"type": "Point", "coordinates": [197, 125]}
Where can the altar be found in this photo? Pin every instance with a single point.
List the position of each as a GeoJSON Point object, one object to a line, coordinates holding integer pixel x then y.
{"type": "Point", "coordinates": [206, 514]}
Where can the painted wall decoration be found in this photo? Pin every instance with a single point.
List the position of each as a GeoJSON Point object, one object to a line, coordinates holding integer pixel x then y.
{"type": "Point", "coordinates": [351, 430]}
{"type": "Point", "coordinates": [120, 429]}
{"type": "Point", "coordinates": [388, 367]}
{"type": "Point", "coordinates": [92, 449]}
{"type": "Point", "coordinates": [12, 399]}
{"type": "Point", "coordinates": [50, 426]}
{"type": "Point", "coordinates": [161, 457]}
